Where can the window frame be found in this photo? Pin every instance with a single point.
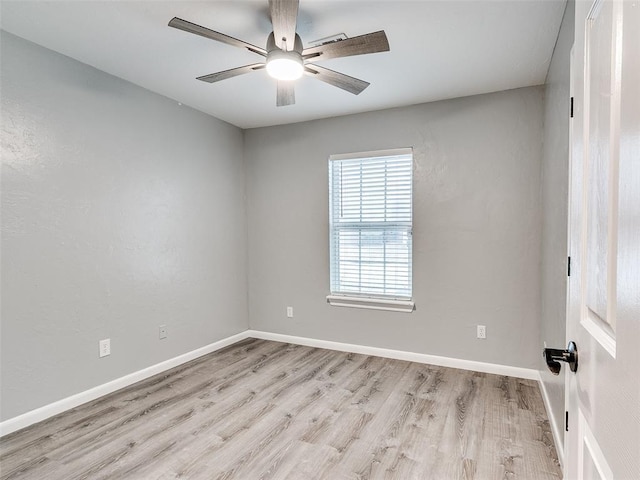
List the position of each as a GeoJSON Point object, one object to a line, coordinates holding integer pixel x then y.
{"type": "Point", "coordinates": [370, 300]}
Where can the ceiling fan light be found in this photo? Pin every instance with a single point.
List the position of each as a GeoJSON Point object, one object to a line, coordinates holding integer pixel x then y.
{"type": "Point", "coordinates": [285, 65]}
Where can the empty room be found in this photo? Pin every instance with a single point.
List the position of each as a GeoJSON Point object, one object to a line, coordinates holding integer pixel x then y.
{"type": "Point", "coordinates": [320, 239]}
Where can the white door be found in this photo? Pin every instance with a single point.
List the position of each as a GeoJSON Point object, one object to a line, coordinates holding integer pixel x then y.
{"type": "Point", "coordinates": [603, 397]}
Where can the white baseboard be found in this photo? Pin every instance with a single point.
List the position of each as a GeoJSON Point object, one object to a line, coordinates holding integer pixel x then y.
{"type": "Point", "coordinates": [47, 411]}
{"type": "Point", "coordinates": [558, 435]}
{"type": "Point", "coordinates": [401, 355]}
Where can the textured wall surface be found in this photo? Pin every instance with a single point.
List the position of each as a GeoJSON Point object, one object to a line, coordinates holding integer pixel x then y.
{"type": "Point", "coordinates": [555, 199]}
{"type": "Point", "coordinates": [476, 227]}
{"type": "Point", "coordinates": [121, 211]}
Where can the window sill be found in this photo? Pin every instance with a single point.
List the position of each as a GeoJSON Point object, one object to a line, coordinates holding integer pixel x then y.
{"type": "Point", "coordinates": [406, 306]}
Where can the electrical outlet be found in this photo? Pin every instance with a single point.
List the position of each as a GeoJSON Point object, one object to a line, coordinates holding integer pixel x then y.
{"type": "Point", "coordinates": [105, 347]}
{"type": "Point", "coordinates": [162, 330]}
{"type": "Point", "coordinates": [290, 312]}
{"type": "Point", "coordinates": [482, 331]}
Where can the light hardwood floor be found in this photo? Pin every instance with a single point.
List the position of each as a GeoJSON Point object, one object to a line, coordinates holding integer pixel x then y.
{"type": "Point", "coordinates": [267, 410]}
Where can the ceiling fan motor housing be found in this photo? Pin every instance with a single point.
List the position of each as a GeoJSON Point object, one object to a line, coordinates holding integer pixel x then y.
{"type": "Point", "coordinates": [283, 64]}
{"type": "Point", "coordinates": [271, 44]}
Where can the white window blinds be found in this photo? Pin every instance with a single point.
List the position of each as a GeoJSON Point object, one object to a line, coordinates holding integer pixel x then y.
{"type": "Point", "coordinates": [370, 214]}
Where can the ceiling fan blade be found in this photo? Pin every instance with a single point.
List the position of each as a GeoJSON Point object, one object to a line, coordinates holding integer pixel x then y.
{"type": "Point", "coordinates": [367, 43]}
{"type": "Point", "coordinates": [234, 72]}
{"type": "Point", "coordinates": [286, 94]}
{"type": "Point", "coordinates": [337, 79]}
{"type": "Point", "coordinates": [284, 15]}
{"type": "Point", "coordinates": [181, 24]}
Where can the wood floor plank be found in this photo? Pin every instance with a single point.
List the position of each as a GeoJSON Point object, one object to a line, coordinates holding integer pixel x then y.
{"type": "Point", "coordinates": [261, 410]}
{"type": "Point", "coordinates": [77, 422]}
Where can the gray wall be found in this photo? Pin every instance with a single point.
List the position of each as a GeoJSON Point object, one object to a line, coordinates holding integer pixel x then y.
{"type": "Point", "coordinates": [121, 211]}
{"type": "Point", "coordinates": [555, 198]}
{"type": "Point", "coordinates": [477, 220]}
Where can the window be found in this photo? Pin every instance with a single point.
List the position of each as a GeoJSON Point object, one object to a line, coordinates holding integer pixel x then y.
{"type": "Point", "coordinates": [370, 215]}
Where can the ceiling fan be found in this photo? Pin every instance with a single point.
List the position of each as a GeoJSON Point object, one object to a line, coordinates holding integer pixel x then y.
{"type": "Point", "coordinates": [285, 59]}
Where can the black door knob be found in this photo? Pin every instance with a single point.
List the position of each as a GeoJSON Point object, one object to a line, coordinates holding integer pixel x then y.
{"type": "Point", "coordinates": [553, 357]}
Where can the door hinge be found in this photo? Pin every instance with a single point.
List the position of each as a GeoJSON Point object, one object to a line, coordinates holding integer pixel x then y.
{"type": "Point", "coordinates": [571, 109]}
{"type": "Point", "coordinates": [566, 421]}
{"type": "Point", "coordinates": [568, 266]}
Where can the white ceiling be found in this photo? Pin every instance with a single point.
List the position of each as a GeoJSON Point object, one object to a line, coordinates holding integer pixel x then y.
{"type": "Point", "coordinates": [439, 49]}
